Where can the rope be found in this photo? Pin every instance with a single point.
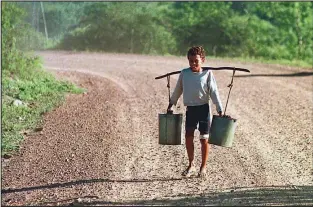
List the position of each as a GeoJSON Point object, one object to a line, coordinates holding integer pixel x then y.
{"type": "Point", "coordinates": [169, 88]}
{"type": "Point", "coordinates": [230, 87]}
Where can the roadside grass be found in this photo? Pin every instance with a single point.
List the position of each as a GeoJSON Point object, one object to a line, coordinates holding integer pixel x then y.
{"type": "Point", "coordinates": [38, 92]}
{"type": "Point", "coordinates": [308, 64]}
{"type": "Point", "coordinates": [294, 63]}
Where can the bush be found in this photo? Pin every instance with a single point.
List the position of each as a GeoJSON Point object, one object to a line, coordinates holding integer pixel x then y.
{"type": "Point", "coordinates": [121, 27]}
{"type": "Point", "coordinates": [39, 93]}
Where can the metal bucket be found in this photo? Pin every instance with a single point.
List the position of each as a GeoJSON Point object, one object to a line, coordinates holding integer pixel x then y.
{"type": "Point", "coordinates": [170, 127]}
{"type": "Point", "coordinates": [222, 131]}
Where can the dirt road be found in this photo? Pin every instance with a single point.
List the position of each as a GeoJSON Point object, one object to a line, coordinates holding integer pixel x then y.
{"type": "Point", "coordinates": [101, 147]}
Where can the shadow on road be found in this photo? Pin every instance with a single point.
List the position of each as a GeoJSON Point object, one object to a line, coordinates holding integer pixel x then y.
{"type": "Point", "coordinates": [79, 182]}
{"type": "Point", "coordinates": [272, 196]}
{"type": "Point", "coordinates": [300, 74]}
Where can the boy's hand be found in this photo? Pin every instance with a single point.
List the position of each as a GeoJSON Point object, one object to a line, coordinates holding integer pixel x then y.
{"type": "Point", "coordinates": [220, 113]}
{"type": "Point", "coordinates": [169, 108]}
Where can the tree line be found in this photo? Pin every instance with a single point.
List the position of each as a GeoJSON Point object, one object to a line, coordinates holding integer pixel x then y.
{"type": "Point", "coordinates": [270, 30]}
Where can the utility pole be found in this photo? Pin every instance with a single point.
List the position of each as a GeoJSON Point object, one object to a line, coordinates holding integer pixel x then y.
{"type": "Point", "coordinates": [44, 19]}
{"type": "Point", "coordinates": [37, 16]}
{"type": "Point", "coordinates": [34, 15]}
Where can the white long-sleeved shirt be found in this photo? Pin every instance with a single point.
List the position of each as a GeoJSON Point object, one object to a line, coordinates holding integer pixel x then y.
{"type": "Point", "coordinates": [195, 90]}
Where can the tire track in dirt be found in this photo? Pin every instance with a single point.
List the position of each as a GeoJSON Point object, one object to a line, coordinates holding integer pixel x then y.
{"type": "Point", "coordinates": [113, 79]}
{"type": "Point", "coordinates": [274, 141]}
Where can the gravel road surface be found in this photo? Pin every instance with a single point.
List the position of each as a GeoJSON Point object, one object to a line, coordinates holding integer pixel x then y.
{"type": "Point", "coordinates": [101, 147]}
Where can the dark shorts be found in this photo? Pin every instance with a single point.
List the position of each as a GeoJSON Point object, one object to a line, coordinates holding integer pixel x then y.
{"type": "Point", "coordinates": [198, 115]}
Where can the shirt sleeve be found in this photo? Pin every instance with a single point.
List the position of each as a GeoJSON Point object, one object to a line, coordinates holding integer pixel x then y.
{"type": "Point", "coordinates": [178, 90]}
{"type": "Point", "coordinates": [214, 94]}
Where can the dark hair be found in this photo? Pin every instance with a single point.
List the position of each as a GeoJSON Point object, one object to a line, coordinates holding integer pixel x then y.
{"type": "Point", "coordinates": [196, 50]}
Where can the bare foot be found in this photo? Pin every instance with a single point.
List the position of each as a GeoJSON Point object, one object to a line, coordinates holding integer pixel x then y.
{"type": "Point", "coordinates": [202, 173]}
{"type": "Point", "coordinates": [189, 171]}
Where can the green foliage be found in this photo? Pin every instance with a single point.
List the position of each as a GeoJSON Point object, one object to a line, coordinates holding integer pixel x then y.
{"type": "Point", "coordinates": [62, 15]}
{"type": "Point", "coordinates": [39, 93]}
{"type": "Point", "coordinates": [38, 90]}
{"type": "Point", "coordinates": [18, 34]}
{"type": "Point", "coordinates": [11, 21]}
{"type": "Point", "coordinates": [293, 21]}
{"type": "Point", "coordinates": [32, 41]}
{"type": "Point", "coordinates": [197, 23]}
{"type": "Point", "coordinates": [121, 27]}
{"type": "Point", "coordinates": [270, 30]}
{"type": "Point", "coordinates": [235, 35]}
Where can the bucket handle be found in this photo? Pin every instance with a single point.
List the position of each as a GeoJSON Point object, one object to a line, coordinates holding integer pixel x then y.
{"type": "Point", "coordinates": [169, 90]}
{"type": "Point", "coordinates": [169, 94]}
{"type": "Point", "coordinates": [230, 87]}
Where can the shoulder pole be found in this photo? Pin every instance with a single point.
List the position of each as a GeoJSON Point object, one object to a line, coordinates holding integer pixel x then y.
{"type": "Point", "coordinates": [207, 68]}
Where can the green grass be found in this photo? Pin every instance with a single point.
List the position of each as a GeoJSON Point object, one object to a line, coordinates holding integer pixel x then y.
{"type": "Point", "coordinates": [38, 90]}
{"type": "Point", "coordinates": [295, 63]}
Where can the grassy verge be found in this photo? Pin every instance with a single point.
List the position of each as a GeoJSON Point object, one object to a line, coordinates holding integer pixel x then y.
{"type": "Point", "coordinates": [38, 91]}
{"type": "Point", "coordinates": [294, 63]}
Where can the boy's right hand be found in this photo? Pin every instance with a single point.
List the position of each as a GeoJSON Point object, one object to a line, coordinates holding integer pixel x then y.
{"type": "Point", "coordinates": [169, 108]}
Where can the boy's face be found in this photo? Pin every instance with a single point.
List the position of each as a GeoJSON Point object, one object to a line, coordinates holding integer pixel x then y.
{"type": "Point", "coordinates": [195, 62]}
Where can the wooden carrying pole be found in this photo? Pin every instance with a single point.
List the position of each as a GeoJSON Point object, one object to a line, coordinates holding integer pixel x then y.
{"type": "Point", "coordinates": [207, 68]}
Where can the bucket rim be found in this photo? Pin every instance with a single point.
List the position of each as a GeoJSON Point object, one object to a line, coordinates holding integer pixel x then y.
{"type": "Point", "coordinates": [224, 117]}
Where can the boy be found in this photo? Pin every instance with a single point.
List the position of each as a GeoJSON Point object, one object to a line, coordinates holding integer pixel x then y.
{"type": "Point", "coordinates": [195, 84]}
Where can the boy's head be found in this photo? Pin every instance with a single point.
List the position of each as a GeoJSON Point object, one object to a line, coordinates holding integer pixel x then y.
{"type": "Point", "coordinates": [196, 56]}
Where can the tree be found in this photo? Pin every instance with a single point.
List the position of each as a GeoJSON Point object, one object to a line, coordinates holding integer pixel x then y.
{"type": "Point", "coordinates": [195, 23]}
{"type": "Point", "coordinates": [121, 27]}
{"type": "Point", "coordinates": [294, 20]}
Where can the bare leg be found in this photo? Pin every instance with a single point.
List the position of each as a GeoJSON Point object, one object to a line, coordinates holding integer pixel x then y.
{"type": "Point", "coordinates": [190, 146]}
{"type": "Point", "coordinates": [204, 153]}
{"type": "Point", "coordinates": [190, 149]}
